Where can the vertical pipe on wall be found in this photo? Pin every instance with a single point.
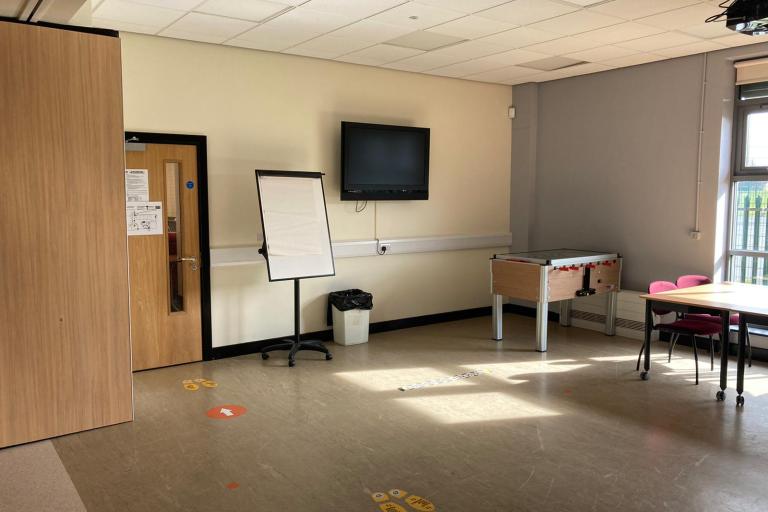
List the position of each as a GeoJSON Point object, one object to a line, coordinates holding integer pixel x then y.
{"type": "Point", "coordinates": [701, 138]}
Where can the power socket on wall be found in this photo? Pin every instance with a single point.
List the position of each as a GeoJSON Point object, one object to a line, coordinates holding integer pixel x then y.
{"type": "Point", "coordinates": [696, 235]}
{"type": "Point", "coordinates": [382, 249]}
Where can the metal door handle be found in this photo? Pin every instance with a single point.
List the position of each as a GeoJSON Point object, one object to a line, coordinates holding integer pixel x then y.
{"type": "Point", "coordinates": [192, 259]}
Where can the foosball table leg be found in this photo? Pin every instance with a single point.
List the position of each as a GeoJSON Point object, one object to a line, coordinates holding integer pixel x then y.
{"type": "Point", "coordinates": [611, 308]}
{"type": "Point", "coordinates": [498, 310]}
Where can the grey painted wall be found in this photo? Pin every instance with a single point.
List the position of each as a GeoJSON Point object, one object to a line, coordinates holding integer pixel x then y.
{"type": "Point", "coordinates": [615, 166]}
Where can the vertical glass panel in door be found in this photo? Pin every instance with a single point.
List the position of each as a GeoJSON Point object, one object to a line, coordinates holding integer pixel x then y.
{"type": "Point", "coordinates": [749, 232]}
{"type": "Point", "coordinates": [173, 220]}
{"type": "Point", "coordinates": [756, 143]}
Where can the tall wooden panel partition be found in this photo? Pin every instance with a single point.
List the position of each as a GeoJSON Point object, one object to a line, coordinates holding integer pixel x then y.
{"type": "Point", "coordinates": [65, 360]}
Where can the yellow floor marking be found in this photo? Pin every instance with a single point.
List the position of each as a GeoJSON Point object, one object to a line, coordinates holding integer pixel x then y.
{"type": "Point", "coordinates": [419, 503]}
{"type": "Point", "coordinates": [398, 493]}
{"type": "Point", "coordinates": [378, 497]}
{"type": "Point", "coordinates": [209, 383]}
{"type": "Point", "coordinates": [190, 386]}
{"type": "Point", "coordinates": [391, 506]}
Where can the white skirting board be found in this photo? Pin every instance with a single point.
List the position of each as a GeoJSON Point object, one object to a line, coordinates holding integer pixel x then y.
{"type": "Point", "coordinates": [229, 256]}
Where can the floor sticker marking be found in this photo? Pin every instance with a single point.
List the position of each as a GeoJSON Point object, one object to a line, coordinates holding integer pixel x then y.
{"type": "Point", "coordinates": [226, 412]}
{"type": "Point", "coordinates": [413, 501]}
{"type": "Point", "coordinates": [194, 384]}
{"type": "Point", "coordinates": [444, 380]}
{"type": "Point", "coordinates": [232, 486]}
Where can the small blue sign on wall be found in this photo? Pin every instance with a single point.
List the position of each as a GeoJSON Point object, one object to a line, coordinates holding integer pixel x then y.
{"type": "Point", "coordinates": [190, 185]}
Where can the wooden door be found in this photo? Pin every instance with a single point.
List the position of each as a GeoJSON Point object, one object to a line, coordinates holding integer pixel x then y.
{"type": "Point", "coordinates": [65, 356]}
{"type": "Point", "coordinates": [164, 267]}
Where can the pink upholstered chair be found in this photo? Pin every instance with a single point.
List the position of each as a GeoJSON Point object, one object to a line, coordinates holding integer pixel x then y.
{"type": "Point", "coordinates": [682, 327]}
{"type": "Point", "coordinates": [694, 280]}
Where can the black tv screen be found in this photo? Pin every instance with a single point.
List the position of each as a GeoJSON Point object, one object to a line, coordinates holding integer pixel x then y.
{"type": "Point", "coordinates": [384, 162]}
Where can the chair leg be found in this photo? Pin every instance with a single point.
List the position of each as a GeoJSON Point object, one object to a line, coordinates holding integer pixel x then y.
{"type": "Point", "coordinates": [672, 343]}
{"type": "Point", "coordinates": [696, 358]}
{"type": "Point", "coordinates": [711, 353]}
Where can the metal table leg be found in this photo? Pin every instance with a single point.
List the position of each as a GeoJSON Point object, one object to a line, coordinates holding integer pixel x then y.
{"type": "Point", "coordinates": [611, 309]}
{"type": "Point", "coordinates": [565, 312]}
{"type": "Point", "coordinates": [740, 358]}
{"type": "Point", "coordinates": [498, 310]}
{"type": "Point", "coordinates": [645, 375]}
{"type": "Point", "coordinates": [725, 320]}
{"type": "Point", "coordinates": [542, 312]}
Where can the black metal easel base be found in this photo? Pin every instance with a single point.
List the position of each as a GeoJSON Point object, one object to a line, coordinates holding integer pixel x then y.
{"type": "Point", "coordinates": [293, 346]}
{"type": "Point", "coordinates": [296, 343]}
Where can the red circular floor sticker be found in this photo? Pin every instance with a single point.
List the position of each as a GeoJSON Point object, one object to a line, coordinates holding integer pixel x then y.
{"type": "Point", "coordinates": [225, 412]}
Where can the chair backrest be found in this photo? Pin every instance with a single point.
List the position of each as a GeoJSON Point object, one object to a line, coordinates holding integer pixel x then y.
{"type": "Point", "coordinates": [658, 287]}
{"type": "Point", "coordinates": [689, 281]}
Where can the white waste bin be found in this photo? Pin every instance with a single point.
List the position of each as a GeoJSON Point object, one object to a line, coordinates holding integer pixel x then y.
{"type": "Point", "coordinates": [350, 327]}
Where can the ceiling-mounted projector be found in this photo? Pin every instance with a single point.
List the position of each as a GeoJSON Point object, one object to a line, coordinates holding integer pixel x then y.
{"type": "Point", "coordinates": [746, 16]}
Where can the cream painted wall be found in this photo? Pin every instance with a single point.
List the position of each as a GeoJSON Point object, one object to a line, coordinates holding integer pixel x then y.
{"type": "Point", "coordinates": [272, 111]}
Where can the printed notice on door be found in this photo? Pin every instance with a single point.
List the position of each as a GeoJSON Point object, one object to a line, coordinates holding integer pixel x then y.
{"type": "Point", "coordinates": [136, 185]}
{"type": "Point", "coordinates": [145, 218]}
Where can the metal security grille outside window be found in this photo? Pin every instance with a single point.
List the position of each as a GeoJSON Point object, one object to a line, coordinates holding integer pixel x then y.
{"type": "Point", "coordinates": [748, 246]}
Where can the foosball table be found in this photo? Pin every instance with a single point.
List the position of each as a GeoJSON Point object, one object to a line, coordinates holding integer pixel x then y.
{"type": "Point", "coordinates": [559, 275]}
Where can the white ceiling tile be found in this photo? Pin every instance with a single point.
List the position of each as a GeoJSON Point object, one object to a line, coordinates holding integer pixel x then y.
{"type": "Point", "coordinates": [469, 50]}
{"type": "Point", "coordinates": [423, 62]}
{"type": "Point", "coordinates": [264, 39]}
{"type": "Point", "coordinates": [738, 40]}
{"type": "Point", "coordinates": [423, 40]}
{"type": "Point", "coordinates": [472, 27]}
{"type": "Point", "coordinates": [137, 14]}
{"type": "Point", "coordinates": [632, 9]}
{"type": "Point", "coordinates": [461, 69]}
{"type": "Point", "coordinates": [416, 16]}
{"type": "Point", "coordinates": [298, 25]}
{"type": "Point", "coordinates": [602, 53]}
{"type": "Point", "coordinates": [659, 41]}
{"type": "Point", "coordinates": [551, 63]}
{"type": "Point", "coordinates": [379, 54]}
{"type": "Point", "coordinates": [124, 27]}
{"type": "Point", "coordinates": [583, 3]}
{"type": "Point", "coordinates": [580, 69]}
{"type": "Point", "coordinates": [519, 37]}
{"type": "Point", "coordinates": [708, 30]}
{"type": "Point", "coordinates": [683, 17]}
{"type": "Point", "coordinates": [465, 6]}
{"type": "Point", "coordinates": [309, 52]}
{"type": "Point", "coordinates": [333, 46]}
{"type": "Point", "coordinates": [633, 60]}
{"type": "Point", "coordinates": [511, 57]}
{"type": "Point", "coordinates": [206, 27]}
{"type": "Point", "coordinates": [576, 22]}
{"type": "Point", "coordinates": [621, 32]}
{"type": "Point", "coordinates": [563, 45]}
{"type": "Point", "coordinates": [11, 8]}
{"type": "Point", "coordinates": [502, 74]}
{"type": "Point", "coordinates": [524, 12]}
{"type": "Point", "coordinates": [356, 8]}
{"type": "Point", "coordinates": [179, 5]}
{"type": "Point", "coordinates": [690, 49]}
{"type": "Point", "coordinates": [374, 31]}
{"type": "Point", "coordinates": [252, 10]}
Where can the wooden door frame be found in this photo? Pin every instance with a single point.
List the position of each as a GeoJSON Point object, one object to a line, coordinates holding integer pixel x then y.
{"type": "Point", "coordinates": [200, 143]}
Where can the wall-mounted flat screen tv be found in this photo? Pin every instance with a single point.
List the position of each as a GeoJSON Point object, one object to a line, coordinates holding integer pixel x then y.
{"type": "Point", "coordinates": [384, 162]}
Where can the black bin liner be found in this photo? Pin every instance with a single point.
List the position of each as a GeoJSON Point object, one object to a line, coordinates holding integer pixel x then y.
{"type": "Point", "coordinates": [348, 299]}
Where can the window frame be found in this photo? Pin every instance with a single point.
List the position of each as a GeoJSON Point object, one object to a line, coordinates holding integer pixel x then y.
{"type": "Point", "coordinates": [741, 173]}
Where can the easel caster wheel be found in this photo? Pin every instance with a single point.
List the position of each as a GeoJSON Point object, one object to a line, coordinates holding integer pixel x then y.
{"type": "Point", "coordinates": [291, 363]}
{"type": "Point", "coordinates": [264, 356]}
{"type": "Point", "coordinates": [739, 401]}
{"type": "Point", "coordinates": [328, 357]}
{"type": "Point", "coordinates": [720, 396]}
{"type": "Point", "coordinates": [645, 376]}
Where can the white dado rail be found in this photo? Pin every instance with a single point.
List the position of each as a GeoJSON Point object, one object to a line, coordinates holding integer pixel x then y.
{"type": "Point", "coordinates": [231, 256]}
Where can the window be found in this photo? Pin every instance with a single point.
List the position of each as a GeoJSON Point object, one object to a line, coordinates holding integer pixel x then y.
{"type": "Point", "coordinates": [748, 248]}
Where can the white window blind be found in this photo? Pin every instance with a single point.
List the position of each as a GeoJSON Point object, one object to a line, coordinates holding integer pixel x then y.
{"type": "Point", "coordinates": [751, 71]}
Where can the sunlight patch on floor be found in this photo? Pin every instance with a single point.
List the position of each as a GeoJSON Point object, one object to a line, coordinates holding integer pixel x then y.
{"type": "Point", "coordinates": [392, 378]}
{"type": "Point", "coordinates": [621, 359]}
{"type": "Point", "coordinates": [506, 370]}
{"type": "Point", "coordinates": [474, 407]}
